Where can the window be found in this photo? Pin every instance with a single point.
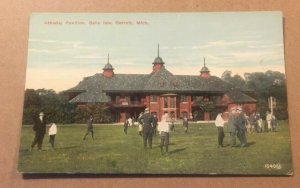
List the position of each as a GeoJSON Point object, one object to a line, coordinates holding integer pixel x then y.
{"type": "Point", "coordinates": [117, 99]}
{"type": "Point", "coordinates": [153, 98]}
{"type": "Point", "coordinates": [183, 98]}
{"type": "Point", "coordinates": [172, 102]}
{"type": "Point", "coordinates": [165, 102]}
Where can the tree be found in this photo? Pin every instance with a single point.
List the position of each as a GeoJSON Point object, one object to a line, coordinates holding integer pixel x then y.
{"type": "Point", "coordinates": [236, 80]}
{"type": "Point", "coordinates": [270, 83]}
{"type": "Point", "coordinates": [99, 112]}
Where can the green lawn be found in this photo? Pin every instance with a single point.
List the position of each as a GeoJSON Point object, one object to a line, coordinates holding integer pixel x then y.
{"type": "Point", "coordinates": [193, 153]}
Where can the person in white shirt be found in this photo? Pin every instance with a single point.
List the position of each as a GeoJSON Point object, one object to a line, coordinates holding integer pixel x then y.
{"type": "Point", "coordinates": [164, 129]}
{"type": "Point", "coordinates": [130, 122]}
{"type": "Point", "coordinates": [52, 133]}
{"type": "Point", "coordinates": [219, 122]}
{"type": "Point", "coordinates": [269, 119]}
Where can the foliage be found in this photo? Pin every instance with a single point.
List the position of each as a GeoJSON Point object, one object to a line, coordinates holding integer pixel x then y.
{"type": "Point", "coordinates": [270, 83]}
{"type": "Point", "coordinates": [99, 112]}
{"type": "Point", "coordinates": [205, 104]}
{"type": "Point", "coordinates": [236, 80]}
{"type": "Point", "coordinates": [57, 108]}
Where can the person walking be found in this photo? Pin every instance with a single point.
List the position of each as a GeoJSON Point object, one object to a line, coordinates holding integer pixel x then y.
{"type": "Point", "coordinates": [164, 129]}
{"type": "Point", "coordinates": [185, 124]}
{"type": "Point", "coordinates": [126, 124]}
{"type": "Point", "coordinates": [219, 122]}
{"type": "Point", "coordinates": [89, 127]}
{"type": "Point", "coordinates": [147, 121]}
{"type": "Point", "coordinates": [52, 132]}
{"type": "Point", "coordinates": [39, 128]}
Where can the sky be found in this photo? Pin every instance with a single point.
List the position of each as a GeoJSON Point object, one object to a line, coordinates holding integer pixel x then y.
{"type": "Point", "coordinates": [63, 48]}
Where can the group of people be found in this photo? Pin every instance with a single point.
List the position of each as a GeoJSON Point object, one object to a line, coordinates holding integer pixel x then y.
{"type": "Point", "coordinates": [239, 124]}
{"type": "Point", "coordinates": [39, 127]}
{"type": "Point", "coordinates": [255, 123]}
{"type": "Point", "coordinates": [149, 125]}
{"type": "Point", "coordinates": [236, 127]}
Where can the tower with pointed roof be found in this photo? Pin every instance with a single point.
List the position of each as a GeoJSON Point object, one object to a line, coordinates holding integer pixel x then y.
{"type": "Point", "coordinates": [108, 70]}
{"type": "Point", "coordinates": [158, 62]}
{"type": "Point", "coordinates": [204, 73]}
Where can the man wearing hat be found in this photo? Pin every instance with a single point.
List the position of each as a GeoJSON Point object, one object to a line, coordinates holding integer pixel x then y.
{"type": "Point", "coordinates": [241, 127]}
{"type": "Point", "coordinates": [39, 127]}
{"type": "Point", "coordinates": [147, 121]}
{"type": "Point", "coordinates": [232, 127]}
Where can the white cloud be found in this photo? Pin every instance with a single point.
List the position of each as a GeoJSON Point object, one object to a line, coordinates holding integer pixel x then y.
{"type": "Point", "coordinates": [47, 51]}
{"type": "Point", "coordinates": [222, 43]}
{"type": "Point", "coordinates": [89, 56]}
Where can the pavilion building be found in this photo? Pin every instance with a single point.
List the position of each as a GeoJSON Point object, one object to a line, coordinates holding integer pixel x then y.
{"type": "Point", "coordinates": [161, 92]}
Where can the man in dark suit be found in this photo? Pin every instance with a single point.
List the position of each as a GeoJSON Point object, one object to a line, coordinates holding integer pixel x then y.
{"type": "Point", "coordinates": [241, 127]}
{"type": "Point", "coordinates": [39, 127]}
{"type": "Point", "coordinates": [147, 121]}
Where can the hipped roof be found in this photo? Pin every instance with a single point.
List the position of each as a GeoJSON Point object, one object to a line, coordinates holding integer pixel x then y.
{"type": "Point", "coordinates": [159, 82]}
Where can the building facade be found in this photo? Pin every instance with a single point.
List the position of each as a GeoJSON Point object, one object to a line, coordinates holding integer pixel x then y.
{"type": "Point", "coordinates": [161, 92]}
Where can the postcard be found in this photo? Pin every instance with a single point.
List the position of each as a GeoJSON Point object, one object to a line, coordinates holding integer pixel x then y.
{"type": "Point", "coordinates": [156, 93]}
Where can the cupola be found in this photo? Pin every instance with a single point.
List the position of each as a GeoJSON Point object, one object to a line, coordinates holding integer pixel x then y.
{"type": "Point", "coordinates": [108, 70]}
{"type": "Point", "coordinates": [158, 62]}
{"type": "Point", "coordinates": [204, 73]}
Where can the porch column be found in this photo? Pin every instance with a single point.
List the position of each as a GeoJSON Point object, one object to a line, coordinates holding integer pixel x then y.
{"type": "Point", "coordinates": [206, 116]}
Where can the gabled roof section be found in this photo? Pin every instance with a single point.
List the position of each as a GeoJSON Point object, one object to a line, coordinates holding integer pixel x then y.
{"type": "Point", "coordinates": [210, 84]}
{"type": "Point", "coordinates": [127, 82]}
{"type": "Point", "coordinates": [236, 96]}
{"type": "Point", "coordinates": [93, 90]}
{"type": "Point", "coordinates": [163, 80]}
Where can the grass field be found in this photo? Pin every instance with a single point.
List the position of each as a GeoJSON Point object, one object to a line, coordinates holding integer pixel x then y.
{"type": "Point", "coordinates": [193, 153]}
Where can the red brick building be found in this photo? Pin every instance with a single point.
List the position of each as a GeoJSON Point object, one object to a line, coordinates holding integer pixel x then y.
{"type": "Point", "coordinates": [161, 92]}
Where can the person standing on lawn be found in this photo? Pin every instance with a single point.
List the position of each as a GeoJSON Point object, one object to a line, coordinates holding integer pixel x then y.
{"type": "Point", "coordinates": [164, 129]}
{"type": "Point", "coordinates": [52, 132]}
{"type": "Point", "coordinates": [155, 120]}
{"type": "Point", "coordinates": [269, 119]}
{"type": "Point", "coordinates": [147, 121]}
{"type": "Point", "coordinates": [274, 123]}
{"type": "Point", "coordinates": [241, 127]}
{"type": "Point", "coordinates": [89, 128]}
{"type": "Point", "coordinates": [140, 124]}
{"type": "Point", "coordinates": [219, 122]}
{"type": "Point", "coordinates": [185, 124]}
{"type": "Point", "coordinates": [126, 124]}
{"type": "Point", "coordinates": [231, 127]}
{"type": "Point", "coordinates": [39, 127]}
